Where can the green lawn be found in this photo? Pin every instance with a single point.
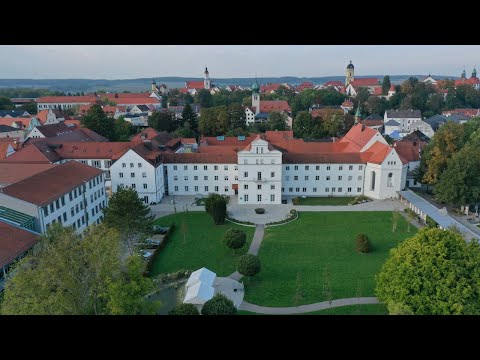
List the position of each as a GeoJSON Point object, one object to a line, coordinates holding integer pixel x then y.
{"type": "Point", "coordinates": [371, 309]}
{"type": "Point", "coordinates": [324, 200]}
{"type": "Point", "coordinates": [294, 258]}
{"type": "Point", "coordinates": [201, 247]}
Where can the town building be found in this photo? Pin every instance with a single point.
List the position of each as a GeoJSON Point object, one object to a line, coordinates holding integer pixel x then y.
{"type": "Point", "coordinates": [72, 194]}
{"type": "Point", "coordinates": [405, 118]}
{"type": "Point", "coordinates": [7, 131]}
{"type": "Point", "coordinates": [353, 85]}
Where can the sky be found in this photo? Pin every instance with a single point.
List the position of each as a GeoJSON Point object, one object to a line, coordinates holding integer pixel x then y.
{"type": "Point", "coordinates": [225, 61]}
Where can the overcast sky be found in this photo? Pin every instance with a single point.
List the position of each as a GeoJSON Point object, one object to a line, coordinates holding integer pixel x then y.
{"type": "Point", "coordinates": [135, 61]}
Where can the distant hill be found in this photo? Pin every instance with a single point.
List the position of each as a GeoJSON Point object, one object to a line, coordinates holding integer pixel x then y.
{"type": "Point", "coordinates": [143, 84]}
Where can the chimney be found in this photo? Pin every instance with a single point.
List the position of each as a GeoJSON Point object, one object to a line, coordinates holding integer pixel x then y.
{"type": "Point", "coordinates": [363, 127]}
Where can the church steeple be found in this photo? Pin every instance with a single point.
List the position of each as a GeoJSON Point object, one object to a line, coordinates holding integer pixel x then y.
{"type": "Point", "coordinates": [464, 74]}
{"type": "Point", "coordinates": [349, 74]}
{"type": "Point", "coordinates": [474, 73]}
{"type": "Point", "coordinates": [154, 86]}
{"type": "Point", "coordinates": [358, 115]}
{"type": "Point", "coordinates": [256, 96]}
{"type": "Point", "coordinates": [206, 80]}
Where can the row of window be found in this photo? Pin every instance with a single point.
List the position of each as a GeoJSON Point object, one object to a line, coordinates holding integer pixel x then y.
{"type": "Point", "coordinates": [259, 197]}
{"type": "Point", "coordinates": [259, 174]}
{"type": "Point", "coordinates": [132, 175]}
{"type": "Point", "coordinates": [340, 177]}
{"type": "Point", "coordinates": [259, 187]}
{"type": "Point", "coordinates": [317, 167]}
{"type": "Point", "coordinates": [132, 165]}
{"type": "Point", "coordinates": [80, 207]}
{"type": "Point", "coordinates": [133, 186]}
{"type": "Point", "coordinates": [205, 167]}
{"type": "Point", "coordinates": [327, 190]}
{"type": "Point", "coordinates": [258, 161]}
{"type": "Point", "coordinates": [97, 163]}
{"type": "Point", "coordinates": [195, 188]}
{"type": "Point", "coordinates": [175, 177]}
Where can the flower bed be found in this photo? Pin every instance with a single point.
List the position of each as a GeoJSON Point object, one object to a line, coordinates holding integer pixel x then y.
{"type": "Point", "coordinates": [293, 215]}
{"type": "Point", "coordinates": [260, 211]}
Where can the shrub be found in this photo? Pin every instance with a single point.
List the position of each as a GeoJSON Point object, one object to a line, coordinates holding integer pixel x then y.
{"type": "Point", "coordinates": [248, 265]}
{"type": "Point", "coordinates": [260, 210]}
{"type": "Point", "coordinates": [152, 259]}
{"type": "Point", "coordinates": [235, 238]}
{"type": "Point", "coordinates": [219, 305]}
{"type": "Point", "coordinates": [184, 309]}
{"type": "Point", "coordinates": [362, 243]}
{"type": "Point", "coordinates": [430, 222]}
{"type": "Point", "coordinates": [296, 201]}
{"type": "Point", "coordinates": [239, 221]}
{"type": "Point", "coordinates": [216, 206]}
{"type": "Point", "coordinates": [359, 199]}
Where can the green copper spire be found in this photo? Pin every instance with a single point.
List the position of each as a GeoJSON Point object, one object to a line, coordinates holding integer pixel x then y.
{"type": "Point", "coordinates": [358, 113]}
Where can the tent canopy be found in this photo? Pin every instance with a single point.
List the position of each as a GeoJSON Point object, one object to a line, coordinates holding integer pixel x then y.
{"type": "Point", "coordinates": [199, 294]}
{"type": "Point", "coordinates": [202, 275]}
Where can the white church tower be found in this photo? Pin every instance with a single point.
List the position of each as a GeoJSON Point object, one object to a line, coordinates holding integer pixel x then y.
{"type": "Point", "coordinates": [256, 97]}
{"type": "Point", "coordinates": [206, 80]}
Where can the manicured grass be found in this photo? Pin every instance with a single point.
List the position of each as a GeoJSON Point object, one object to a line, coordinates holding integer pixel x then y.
{"type": "Point", "coordinates": [201, 247]}
{"type": "Point", "coordinates": [324, 200]}
{"type": "Point", "coordinates": [294, 258]}
{"type": "Point", "coordinates": [370, 309]}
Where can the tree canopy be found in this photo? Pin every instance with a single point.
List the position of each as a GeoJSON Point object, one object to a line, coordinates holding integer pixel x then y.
{"type": "Point", "coordinates": [219, 305]}
{"type": "Point", "coordinates": [433, 273]}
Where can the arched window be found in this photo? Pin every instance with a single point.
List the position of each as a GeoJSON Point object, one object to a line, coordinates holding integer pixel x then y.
{"type": "Point", "coordinates": [390, 180]}
{"type": "Point", "coordinates": [372, 185]}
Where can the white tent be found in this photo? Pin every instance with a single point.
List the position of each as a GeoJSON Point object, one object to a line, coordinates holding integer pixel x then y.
{"type": "Point", "coordinates": [202, 275]}
{"type": "Point", "coordinates": [198, 294]}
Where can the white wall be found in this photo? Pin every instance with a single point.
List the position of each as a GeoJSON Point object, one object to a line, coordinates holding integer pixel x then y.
{"type": "Point", "coordinates": [43, 106]}
{"type": "Point", "coordinates": [266, 162]}
{"type": "Point", "coordinates": [327, 184]}
{"type": "Point", "coordinates": [147, 179]}
{"type": "Point", "coordinates": [193, 179]}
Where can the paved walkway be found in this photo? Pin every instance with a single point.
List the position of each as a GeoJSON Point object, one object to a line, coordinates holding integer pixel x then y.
{"type": "Point", "coordinates": [307, 308]}
{"type": "Point", "coordinates": [253, 249]}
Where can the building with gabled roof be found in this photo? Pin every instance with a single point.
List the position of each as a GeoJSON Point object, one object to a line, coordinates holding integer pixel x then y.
{"type": "Point", "coordinates": [72, 194]}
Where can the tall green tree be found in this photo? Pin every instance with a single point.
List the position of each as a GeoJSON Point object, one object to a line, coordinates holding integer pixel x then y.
{"type": "Point", "coordinates": [30, 107]}
{"type": "Point", "coordinates": [65, 274]}
{"type": "Point", "coordinates": [433, 273]}
{"type": "Point", "coordinates": [213, 121]}
{"type": "Point", "coordinates": [386, 84]}
{"type": "Point", "coordinates": [127, 213]}
{"type": "Point", "coordinates": [6, 104]}
{"type": "Point", "coordinates": [163, 121]}
{"type": "Point", "coordinates": [95, 119]}
{"type": "Point", "coordinates": [219, 305]}
{"type": "Point", "coordinates": [460, 182]}
{"type": "Point", "coordinates": [189, 116]}
{"type": "Point", "coordinates": [123, 129]}
{"type": "Point", "coordinates": [204, 98]}
{"type": "Point", "coordinates": [216, 206]}
{"type": "Point", "coordinates": [277, 121]}
{"type": "Point", "coordinates": [236, 116]}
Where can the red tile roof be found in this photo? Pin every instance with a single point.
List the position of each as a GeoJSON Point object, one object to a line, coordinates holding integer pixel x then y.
{"type": "Point", "coordinates": [275, 105]}
{"type": "Point", "coordinates": [10, 173]}
{"type": "Point", "coordinates": [7, 121]}
{"type": "Point", "coordinates": [466, 112]}
{"type": "Point", "coordinates": [136, 101]}
{"type": "Point", "coordinates": [93, 150]}
{"type": "Point", "coordinates": [37, 152]}
{"type": "Point", "coordinates": [392, 88]}
{"type": "Point", "coordinates": [365, 82]}
{"type": "Point", "coordinates": [358, 136]}
{"type": "Point", "coordinates": [377, 91]}
{"type": "Point", "coordinates": [372, 122]}
{"type": "Point", "coordinates": [43, 188]}
{"type": "Point", "coordinates": [42, 116]}
{"type": "Point", "coordinates": [195, 85]}
{"type": "Point", "coordinates": [377, 153]}
{"type": "Point", "coordinates": [409, 150]}
{"type": "Point", "coordinates": [347, 103]}
{"type": "Point", "coordinates": [52, 130]}
{"type": "Point", "coordinates": [269, 88]}
{"type": "Point", "coordinates": [183, 91]}
{"type": "Point", "coordinates": [113, 109]}
{"type": "Point", "coordinates": [189, 141]}
{"type": "Point", "coordinates": [471, 81]}
{"type": "Point", "coordinates": [67, 99]}
{"type": "Point", "coordinates": [333, 83]}
{"type": "Point", "coordinates": [14, 242]}
{"type": "Point", "coordinates": [72, 122]}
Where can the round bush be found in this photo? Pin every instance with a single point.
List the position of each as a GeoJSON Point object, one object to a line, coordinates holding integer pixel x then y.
{"type": "Point", "coordinates": [362, 244]}
{"type": "Point", "coordinates": [248, 265]}
{"type": "Point", "coordinates": [260, 211]}
{"type": "Point", "coordinates": [219, 305]}
{"type": "Point", "coordinates": [184, 309]}
{"type": "Point", "coordinates": [235, 238]}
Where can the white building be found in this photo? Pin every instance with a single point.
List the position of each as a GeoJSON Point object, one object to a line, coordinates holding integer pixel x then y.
{"type": "Point", "coordinates": [264, 168]}
{"type": "Point", "coordinates": [140, 168]}
{"type": "Point", "coordinates": [72, 194]}
{"type": "Point", "coordinates": [260, 173]}
{"type": "Point", "coordinates": [406, 119]}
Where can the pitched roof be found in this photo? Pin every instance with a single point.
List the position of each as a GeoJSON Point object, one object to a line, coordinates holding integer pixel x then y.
{"type": "Point", "coordinates": [409, 150]}
{"type": "Point", "coordinates": [374, 117]}
{"type": "Point", "coordinates": [359, 82]}
{"type": "Point", "coordinates": [195, 85]}
{"type": "Point", "coordinates": [226, 140]}
{"type": "Point", "coordinates": [370, 123]}
{"type": "Point", "coordinates": [37, 152]}
{"type": "Point", "coordinates": [43, 188]}
{"type": "Point", "coordinates": [136, 101]}
{"type": "Point", "coordinates": [42, 116]}
{"type": "Point", "coordinates": [435, 121]}
{"type": "Point", "coordinates": [377, 153]}
{"type": "Point", "coordinates": [275, 105]}
{"type": "Point", "coordinates": [92, 150]}
{"type": "Point", "coordinates": [6, 128]}
{"type": "Point", "coordinates": [269, 87]}
{"type": "Point", "coordinates": [416, 135]}
{"type": "Point", "coordinates": [52, 130]}
{"type": "Point", "coordinates": [333, 83]}
{"type": "Point", "coordinates": [67, 99]}
{"type": "Point", "coordinates": [189, 141]}
{"type": "Point", "coordinates": [403, 114]}
{"type": "Point", "coordinates": [14, 242]}
{"type": "Point", "coordinates": [392, 123]}
{"type": "Point", "coordinates": [358, 136]}
{"type": "Point", "coordinates": [10, 173]}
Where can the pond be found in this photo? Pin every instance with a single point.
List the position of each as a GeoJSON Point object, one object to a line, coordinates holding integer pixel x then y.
{"type": "Point", "coordinates": [169, 298]}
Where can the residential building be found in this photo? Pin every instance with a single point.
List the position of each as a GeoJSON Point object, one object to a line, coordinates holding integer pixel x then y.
{"type": "Point", "coordinates": [8, 146]}
{"type": "Point", "coordinates": [11, 173]}
{"type": "Point", "coordinates": [405, 119]}
{"type": "Point", "coordinates": [265, 107]}
{"type": "Point", "coordinates": [10, 132]}
{"type": "Point", "coordinates": [72, 194]}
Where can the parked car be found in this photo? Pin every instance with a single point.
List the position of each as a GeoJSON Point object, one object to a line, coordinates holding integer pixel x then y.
{"type": "Point", "coordinates": [160, 230]}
